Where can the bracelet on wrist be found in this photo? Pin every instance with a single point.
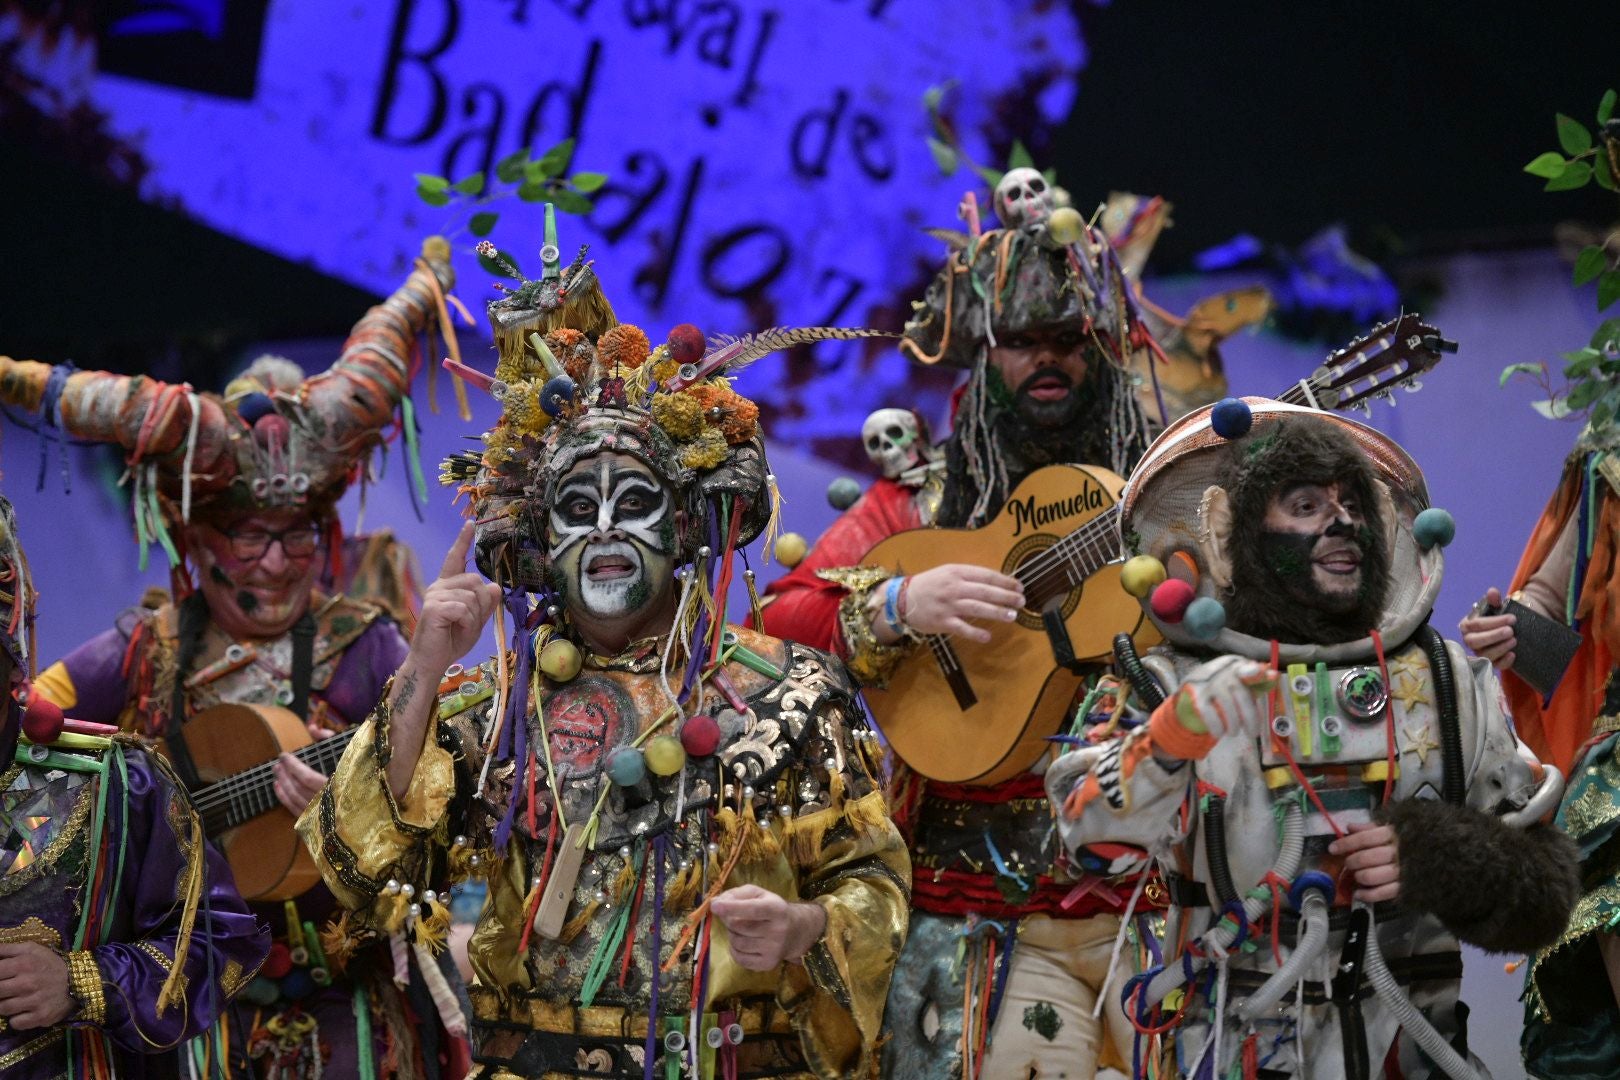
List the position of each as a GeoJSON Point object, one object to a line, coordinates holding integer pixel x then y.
{"type": "Point", "coordinates": [891, 606]}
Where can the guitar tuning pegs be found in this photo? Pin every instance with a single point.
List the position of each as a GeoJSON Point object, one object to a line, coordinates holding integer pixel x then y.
{"type": "Point", "coordinates": [1413, 386]}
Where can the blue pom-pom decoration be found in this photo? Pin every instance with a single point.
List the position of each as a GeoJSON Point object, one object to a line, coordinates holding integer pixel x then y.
{"type": "Point", "coordinates": [254, 405]}
{"type": "Point", "coordinates": [1231, 418]}
{"type": "Point", "coordinates": [1205, 618]}
{"type": "Point", "coordinates": [1434, 526]}
{"type": "Point", "coordinates": [1310, 879]}
{"type": "Point", "coordinates": [297, 983]}
{"type": "Point", "coordinates": [843, 492]}
{"type": "Point", "coordinates": [557, 395]}
{"type": "Point", "coordinates": [626, 766]}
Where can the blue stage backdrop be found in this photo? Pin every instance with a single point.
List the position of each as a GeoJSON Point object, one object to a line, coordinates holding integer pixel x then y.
{"type": "Point", "coordinates": [767, 162]}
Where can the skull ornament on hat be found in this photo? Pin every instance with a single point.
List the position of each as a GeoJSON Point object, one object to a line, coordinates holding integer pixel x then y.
{"type": "Point", "coordinates": [1175, 517]}
{"type": "Point", "coordinates": [1024, 198]}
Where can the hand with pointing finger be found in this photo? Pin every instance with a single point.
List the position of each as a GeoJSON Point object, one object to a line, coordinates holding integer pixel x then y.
{"type": "Point", "coordinates": [455, 609]}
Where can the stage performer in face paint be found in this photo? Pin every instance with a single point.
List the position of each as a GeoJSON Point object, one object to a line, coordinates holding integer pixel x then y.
{"type": "Point", "coordinates": [121, 935]}
{"type": "Point", "coordinates": [240, 490]}
{"type": "Point", "coordinates": [691, 870]}
{"type": "Point", "coordinates": [1007, 951]}
{"type": "Point", "coordinates": [1330, 788]}
{"type": "Point", "coordinates": [1557, 654]}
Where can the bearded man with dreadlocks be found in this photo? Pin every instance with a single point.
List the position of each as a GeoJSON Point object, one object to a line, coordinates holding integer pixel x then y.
{"type": "Point", "coordinates": [1329, 788]}
{"type": "Point", "coordinates": [243, 487]}
{"type": "Point", "coordinates": [1041, 317]}
{"type": "Point", "coordinates": [121, 935]}
{"type": "Point", "coordinates": [691, 871]}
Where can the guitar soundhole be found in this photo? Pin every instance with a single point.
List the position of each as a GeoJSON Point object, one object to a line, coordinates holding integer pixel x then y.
{"type": "Point", "coordinates": [1043, 579]}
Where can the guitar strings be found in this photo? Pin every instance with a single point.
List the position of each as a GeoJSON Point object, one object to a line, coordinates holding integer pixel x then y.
{"type": "Point", "coordinates": [234, 791]}
{"type": "Point", "coordinates": [230, 791]}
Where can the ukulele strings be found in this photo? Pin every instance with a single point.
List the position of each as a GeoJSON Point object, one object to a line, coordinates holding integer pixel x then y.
{"type": "Point", "coordinates": [225, 793]}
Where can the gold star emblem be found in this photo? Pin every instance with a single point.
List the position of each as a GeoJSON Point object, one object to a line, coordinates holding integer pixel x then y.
{"type": "Point", "coordinates": [1418, 741]}
{"type": "Point", "coordinates": [1410, 691]}
{"type": "Point", "coordinates": [1412, 662]}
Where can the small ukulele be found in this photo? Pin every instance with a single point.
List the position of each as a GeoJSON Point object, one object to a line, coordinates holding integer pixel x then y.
{"type": "Point", "coordinates": [960, 712]}
{"type": "Point", "coordinates": [234, 748]}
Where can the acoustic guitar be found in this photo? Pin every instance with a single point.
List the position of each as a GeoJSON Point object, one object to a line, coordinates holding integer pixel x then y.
{"type": "Point", "coordinates": [964, 713]}
{"type": "Point", "coordinates": [234, 748]}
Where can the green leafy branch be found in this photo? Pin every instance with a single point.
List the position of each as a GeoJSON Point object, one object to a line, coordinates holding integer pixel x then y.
{"type": "Point", "coordinates": [1591, 379]}
{"type": "Point", "coordinates": [1591, 374]}
{"type": "Point", "coordinates": [946, 145]}
{"type": "Point", "coordinates": [529, 178]}
{"type": "Point", "coordinates": [1588, 162]}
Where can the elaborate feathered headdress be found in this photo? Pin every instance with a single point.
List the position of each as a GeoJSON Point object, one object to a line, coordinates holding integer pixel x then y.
{"type": "Point", "coordinates": [273, 439]}
{"type": "Point", "coordinates": [573, 382]}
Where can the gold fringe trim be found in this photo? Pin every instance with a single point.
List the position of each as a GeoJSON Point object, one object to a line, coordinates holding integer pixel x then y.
{"type": "Point", "coordinates": [575, 926]}
{"type": "Point", "coordinates": [680, 892]}
{"type": "Point", "coordinates": [433, 928]}
{"type": "Point", "coordinates": [190, 896]}
{"type": "Point", "coordinates": [339, 942]}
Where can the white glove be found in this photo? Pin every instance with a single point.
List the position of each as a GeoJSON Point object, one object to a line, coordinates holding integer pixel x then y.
{"type": "Point", "coordinates": [1224, 697]}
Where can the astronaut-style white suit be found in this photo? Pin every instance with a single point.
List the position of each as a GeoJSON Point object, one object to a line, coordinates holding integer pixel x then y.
{"type": "Point", "coordinates": [1251, 756]}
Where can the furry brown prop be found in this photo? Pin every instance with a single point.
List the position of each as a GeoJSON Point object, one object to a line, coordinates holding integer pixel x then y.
{"type": "Point", "coordinates": [1263, 601]}
{"type": "Point", "coordinates": [1503, 889]}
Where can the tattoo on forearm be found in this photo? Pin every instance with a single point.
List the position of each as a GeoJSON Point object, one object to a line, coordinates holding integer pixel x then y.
{"type": "Point", "coordinates": [407, 690]}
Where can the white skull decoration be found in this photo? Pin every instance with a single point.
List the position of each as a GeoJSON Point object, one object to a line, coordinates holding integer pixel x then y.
{"type": "Point", "coordinates": [895, 441]}
{"type": "Point", "coordinates": [1023, 198]}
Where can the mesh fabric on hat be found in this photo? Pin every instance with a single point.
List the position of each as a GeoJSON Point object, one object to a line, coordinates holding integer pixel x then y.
{"type": "Point", "coordinates": [1160, 516]}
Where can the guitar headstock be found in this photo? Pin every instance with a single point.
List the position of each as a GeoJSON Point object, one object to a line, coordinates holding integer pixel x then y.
{"type": "Point", "coordinates": [1392, 354]}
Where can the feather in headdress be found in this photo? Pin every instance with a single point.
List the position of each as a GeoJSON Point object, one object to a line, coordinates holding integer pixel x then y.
{"type": "Point", "coordinates": [730, 355]}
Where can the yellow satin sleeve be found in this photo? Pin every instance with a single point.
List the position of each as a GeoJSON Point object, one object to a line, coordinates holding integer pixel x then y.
{"type": "Point", "coordinates": [359, 834]}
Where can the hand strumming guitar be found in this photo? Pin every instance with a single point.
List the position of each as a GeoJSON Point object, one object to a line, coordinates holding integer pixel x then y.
{"type": "Point", "coordinates": [948, 600]}
{"type": "Point", "coordinates": [455, 609]}
{"type": "Point", "coordinates": [1491, 636]}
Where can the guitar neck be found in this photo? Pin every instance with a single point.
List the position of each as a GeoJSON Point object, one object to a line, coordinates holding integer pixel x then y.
{"type": "Point", "coordinates": [1076, 556]}
{"type": "Point", "coordinates": [243, 796]}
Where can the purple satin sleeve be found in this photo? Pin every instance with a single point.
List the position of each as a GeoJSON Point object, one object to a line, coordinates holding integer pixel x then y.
{"type": "Point", "coordinates": [148, 912]}
{"type": "Point", "coordinates": [357, 684]}
{"type": "Point", "coordinates": [97, 671]}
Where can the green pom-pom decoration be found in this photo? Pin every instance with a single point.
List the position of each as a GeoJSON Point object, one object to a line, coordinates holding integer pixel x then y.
{"type": "Point", "coordinates": [1205, 618]}
{"type": "Point", "coordinates": [1434, 526]}
{"type": "Point", "coordinates": [843, 492]}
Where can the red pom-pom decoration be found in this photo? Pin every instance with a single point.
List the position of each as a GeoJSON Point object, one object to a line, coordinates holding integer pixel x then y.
{"type": "Point", "coordinates": [685, 343]}
{"type": "Point", "coordinates": [272, 429]}
{"type": "Point", "coordinates": [42, 719]}
{"type": "Point", "coordinates": [700, 735]}
{"type": "Point", "coordinates": [277, 962]}
{"type": "Point", "coordinates": [1170, 600]}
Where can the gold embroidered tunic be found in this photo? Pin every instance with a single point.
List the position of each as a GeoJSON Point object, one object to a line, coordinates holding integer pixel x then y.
{"type": "Point", "coordinates": [788, 802]}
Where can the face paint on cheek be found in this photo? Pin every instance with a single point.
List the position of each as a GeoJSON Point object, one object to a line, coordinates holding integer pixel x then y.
{"type": "Point", "coordinates": [1288, 554]}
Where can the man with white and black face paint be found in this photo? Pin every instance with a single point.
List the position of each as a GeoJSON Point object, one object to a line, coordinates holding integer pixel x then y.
{"type": "Point", "coordinates": [693, 805]}
{"type": "Point", "coordinates": [611, 539]}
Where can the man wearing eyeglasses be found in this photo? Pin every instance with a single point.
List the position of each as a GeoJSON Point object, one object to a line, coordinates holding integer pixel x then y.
{"type": "Point", "coordinates": [257, 631]}
{"type": "Point", "coordinates": [242, 488]}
